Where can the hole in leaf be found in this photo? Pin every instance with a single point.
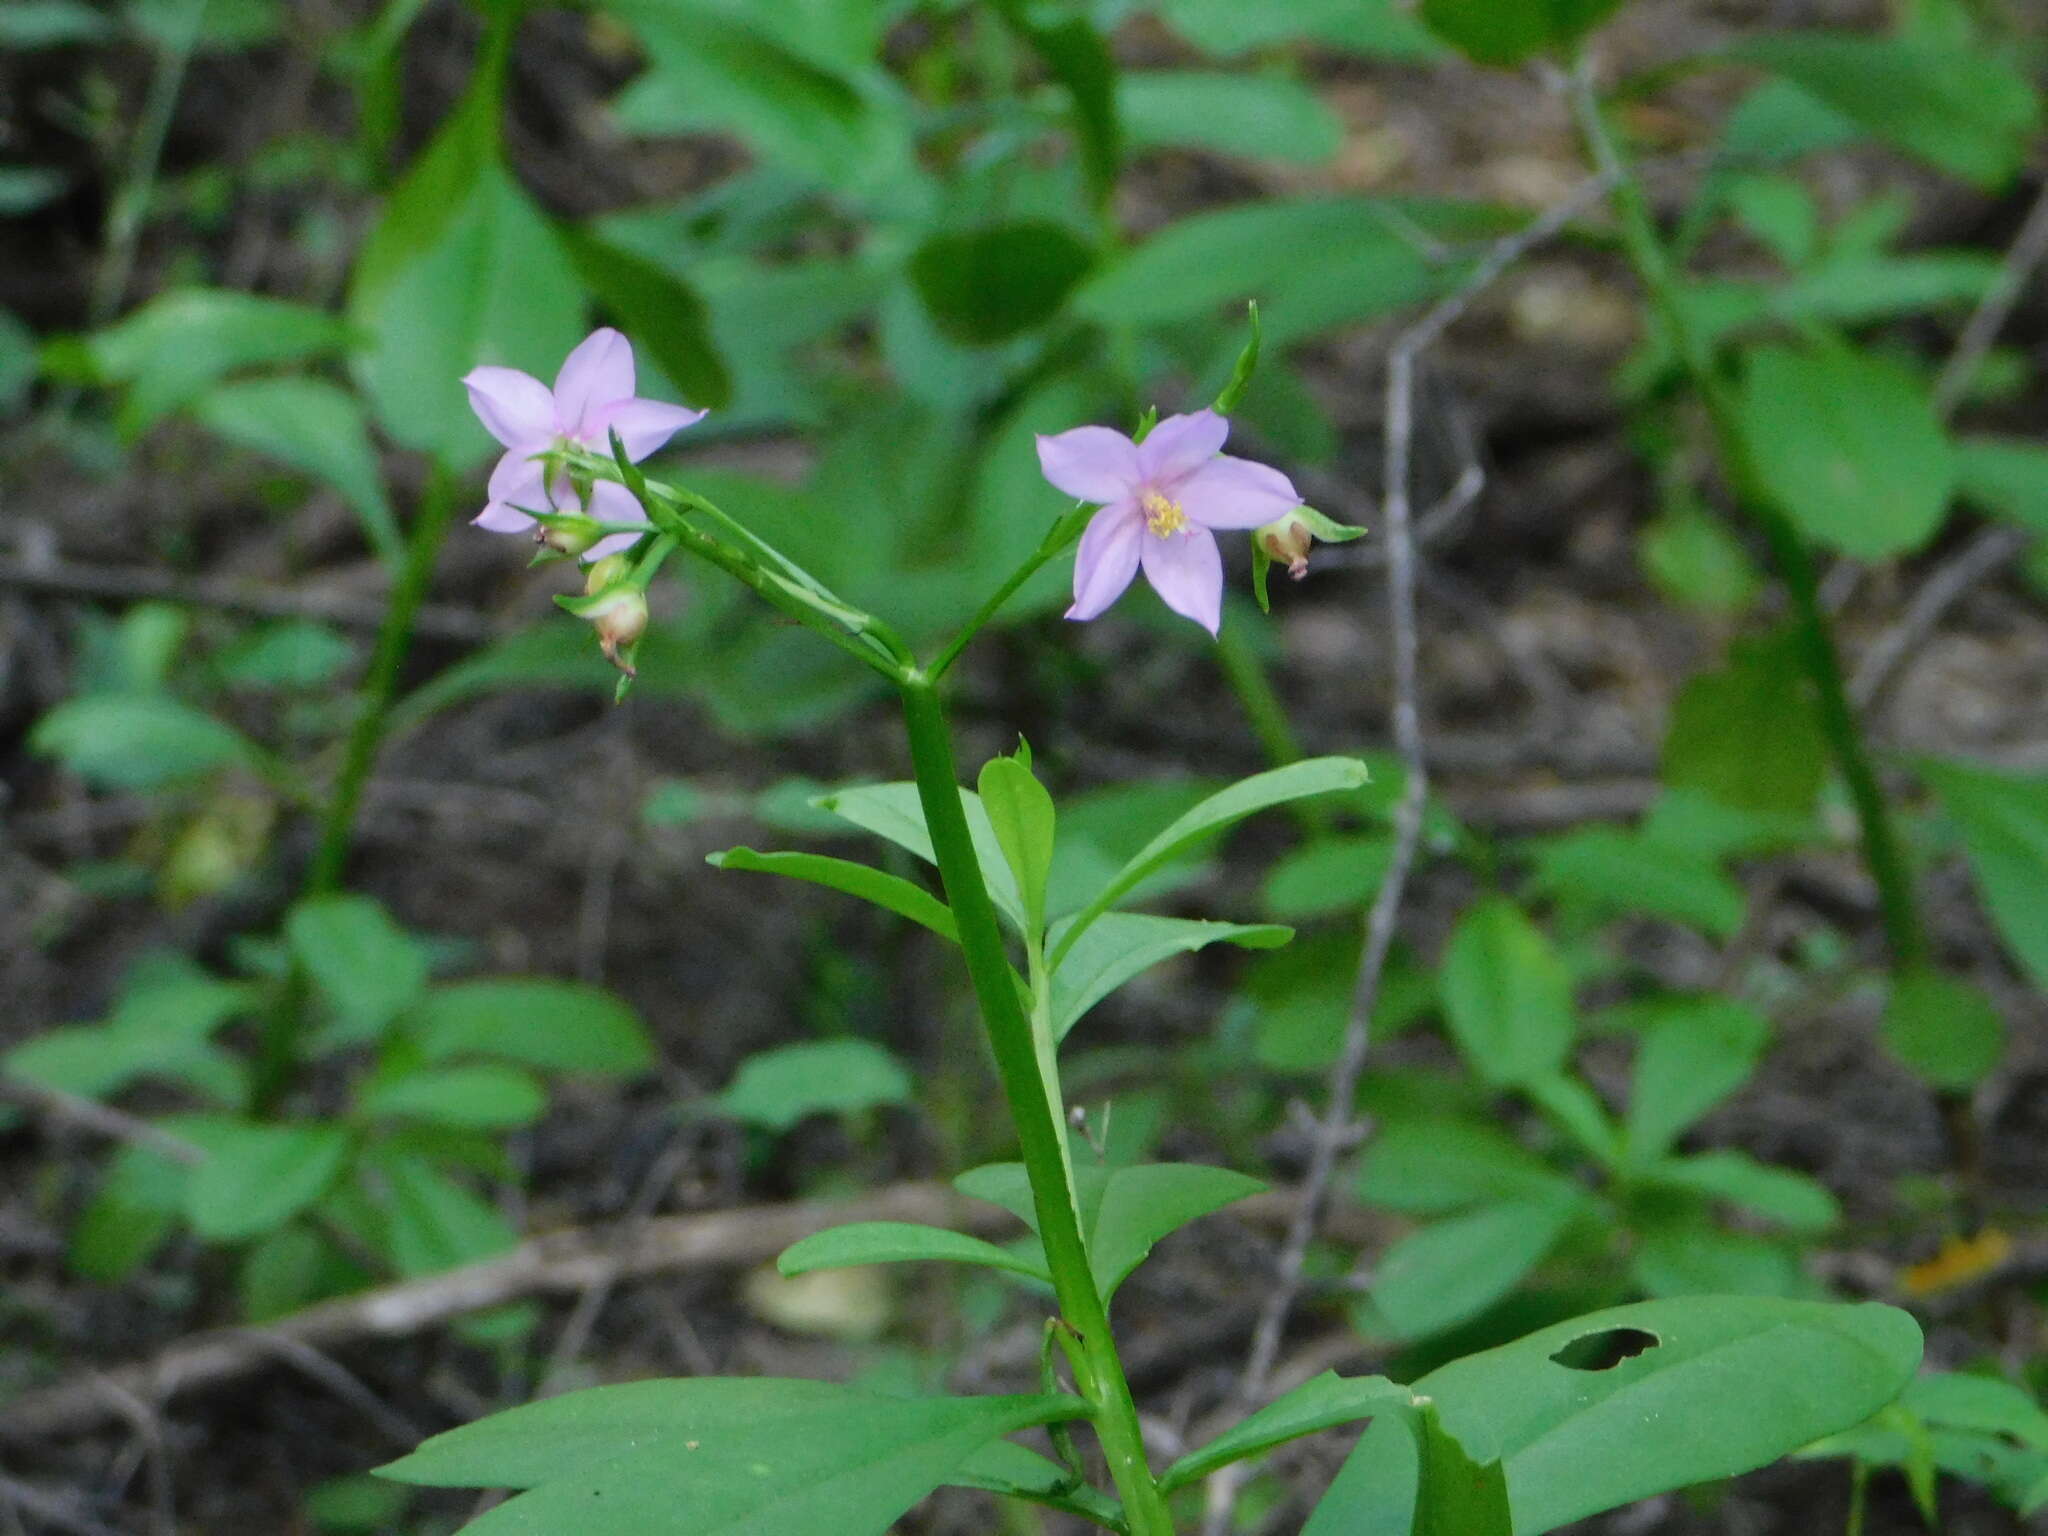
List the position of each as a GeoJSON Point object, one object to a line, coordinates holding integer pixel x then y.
{"type": "Point", "coordinates": [1604, 1350]}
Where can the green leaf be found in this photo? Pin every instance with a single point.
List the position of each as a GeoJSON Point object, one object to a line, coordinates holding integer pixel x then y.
{"type": "Point", "coordinates": [138, 741]}
{"type": "Point", "coordinates": [1507, 997]}
{"type": "Point", "coordinates": [657, 309]}
{"type": "Point", "coordinates": [434, 1223]}
{"type": "Point", "coordinates": [1121, 945]}
{"type": "Point", "coordinates": [775, 1089]}
{"type": "Point", "coordinates": [719, 1457]}
{"type": "Point", "coordinates": [297, 654]}
{"type": "Point", "coordinates": [1322, 1402]}
{"type": "Point", "coordinates": [1961, 109]}
{"type": "Point", "coordinates": [1458, 1495]}
{"type": "Point", "coordinates": [558, 1026]}
{"type": "Point", "coordinates": [1326, 875]}
{"type": "Point", "coordinates": [1749, 734]}
{"type": "Point", "coordinates": [1695, 560]}
{"type": "Point", "coordinates": [988, 285]}
{"type": "Point", "coordinates": [2005, 475]}
{"type": "Point", "coordinates": [1005, 1467]}
{"type": "Point", "coordinates": [1452, 1270]}
{"type": "Point", "coordinates": [1698, 1052]}
{"type": "Point", "coordinates": [893, 811]}
{"type": "Point", "coordinates": [2004, 822]}
{"type": "Point", "coordinates": [1687, 1254]}
{"type": "Point", "coordinates": [900, 1242]}
{"type": "Point", "coordinates": [170, 350]}
{"type": "Point", "coordinates": [30, 24]}
{"type": "Point", "coordinates": [481, 1096]}
{"type": "Point", "coordinates": [1849, 447]}
{"type": "Point", "coordinates": [1376, 28]}
{"type": "Point", "coordinates": [138, 1202]}
{"type": "Point", "coordinates": [890, 892]}
{"type": "Point", "coordinates": [367, 968]}
{"type": "Point", "coordinates": [260, 1176]}
{"type": "Point", "coordinates": [1077, 55]}
{"type": "Point", "coordinates": [1350, 259]}
{"type": "Point", "coordinates": [1790, 1199]}
{"type": "Point", "coordinates": [1510, 32]}
{"type": "Point", "coordinates": [746, 71]}
{"type": "Point", "coordinates": [1428, 1165]}
{"type": "Point", "coordinates": [1944, 1028]}
{"type": "Point", "coordinates": [315, 427]}
{"type": "Point", "coordinates": [1143, 1204]}
{"type": "Point", "coordinates": [1021, 814]}
{"type": "Point", "coordinates": [1618, 872]}
{"type": "Point", "coordinates": [460, 269]}
{"type": "Point", "coordinates": [1262, 791]}
{"type": "Point", "coordinates": [1719, 1385]}
{"type": "Point", "coordinates": [1265, 117]}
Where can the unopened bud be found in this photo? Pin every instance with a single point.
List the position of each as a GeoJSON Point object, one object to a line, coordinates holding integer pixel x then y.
{"type": "Point", "coordinates": [620, 617]}
{"type": "Point", "coordinates": [603, 573]}
{"type": "Point", "coordinates": [567, 533]}
{"type": "Point", "coordinates": [1287, 542]}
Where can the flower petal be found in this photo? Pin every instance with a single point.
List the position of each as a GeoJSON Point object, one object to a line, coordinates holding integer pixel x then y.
{"type": "Point", "coordinates": [642, 425]}
{"type": "Point", "coordinates": [514, 407]}
{"type": "Point", "coordinates": [1090, 463]}
{"type": "Point", "coordinates": [516, 479]}
{"type": "Point", "coordinates": [611, 502]}
{"type": "Point", "coordinates": [1179, 446]}
{"type": "Point", "coordinates": [598, 372]}
{"type": "Point", "coordinates": [1236, 493]}
{"type": "Point", "coordinates": [497, 517]}
{"type": "Point", "coordinates": [1186, 570]}
{"type": "Point", "coordinates": [1107, 558]}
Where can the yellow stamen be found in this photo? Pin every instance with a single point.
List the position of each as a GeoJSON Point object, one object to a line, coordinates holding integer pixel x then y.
{"type": "Point", "coordinates": [1162, 516]}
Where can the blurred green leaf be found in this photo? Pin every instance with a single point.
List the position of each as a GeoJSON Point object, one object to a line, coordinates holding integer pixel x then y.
{"type": "Point", "coordinates": [1456, 1268]}
{"type": "Point", "coordinates": [140, 1197]}
{"type": "Point", "coordinates": [299, 654]}
{"type": "Point", "coordinates": [2005, 475]}
{"type": "Point", "coordinates": [1507, 32]}
{"type": "Point", "coordinates": [1942, 1027]}
{"type": "Point", "coordinates": [315, 427]}
{"type": "Point", "coordinates": [1078, 56]}
{"type": "Point", "coordinates": [1377, 28]}
{"type": "Point", "coordinates": [1748, 735]}
{"type": "Point", "coordinates": [557, 1026]}
{"type": "Point", "coordinates": [2004, 822]}
{"type": "Point", "coordinates": [460, 269]}
{"type": "Point", "coordinates": [1619, 871]}
{"type": "Point", "coordinates": [899, 1242]}
{"type": "Point", "coordinates": [1695, 560]}
{"type": "Point", "coordinates": [138, 741]}
{"type": "Point", "coordinates": [31, 24]}
{"type": "Point", "coordinates": [658, 310]}
{"type": "Point", "coordinates": [1432, 1165]}
{"type": "Point", "coordinates": [777, 1088]}
{"type": "Point", "coordinates": [434, 1222]}
{"type": "Point", "coordinates": [1961, 109]}
{"type": "Point", "coordinates": [1778, 1194]}
{"type": "Point", "coordinates": [1263, 117]}
{"type": "Point", "coordinates": [1698, 1052]}
{"type": "Point", "coordinates": [1849, 447]}
{"type": "Point", "coordinates": [173, 348]}
{"type": "Point", "coordinates": [987, 285]}
{"type": "Point", "coordinates": [260, 1176]}
{"type": "Point", "coordinates": [367, 968]}
{"type": "Point", "coordinates": [485, 1096]}
{"type": "Point", "coordinates": [1326, 875]}
{"type": "Point", "coordinates": [1507, 996]}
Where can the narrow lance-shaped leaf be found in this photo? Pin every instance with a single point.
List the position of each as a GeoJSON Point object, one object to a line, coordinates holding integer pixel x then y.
{"type": "Point", "coordinates": [1321, 1403]}
{"type": "Point", "coordinates": [1297, 781]}
{"type": "Point", "coordinates": [1021, 815]}
{"type": "Point", "coordinates": [900, 1242]}
{"type": "Point", "coordinates": [1122, 945]}
{"type": "Point", "coordinates": [890, 892]}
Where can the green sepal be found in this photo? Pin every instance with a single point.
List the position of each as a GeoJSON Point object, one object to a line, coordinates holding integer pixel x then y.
{"type": "Point", "coordinates": [1325, 529]}
{"type": "Point", "coordinates": [1261, 564]}
{"type": "Point", "coordinates": [545, 556]}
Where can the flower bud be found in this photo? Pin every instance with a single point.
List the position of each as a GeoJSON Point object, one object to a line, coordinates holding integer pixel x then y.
{"type": "Point", "coordinates": [567, 533]}
{"type": "Point", "coordinates": [603, 573]}
{"type": "Point", "coordinates": [1287, 542]}
{"type": "Point", "coordinates": [620, 616]}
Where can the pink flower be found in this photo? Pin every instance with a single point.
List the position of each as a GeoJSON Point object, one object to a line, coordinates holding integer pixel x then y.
{"type": "Point", "coordinates": [1161, 500]}
{"type": "Point", "coordinates": [592, 398]}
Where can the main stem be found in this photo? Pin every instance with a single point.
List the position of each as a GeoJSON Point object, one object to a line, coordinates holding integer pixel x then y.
{"type": "Point", "coordinates": [1040, 1127]}
{"type": "Point", "coordinates": [1823, 664]}
{"type": "Point", "coordinates": [280, 1050]}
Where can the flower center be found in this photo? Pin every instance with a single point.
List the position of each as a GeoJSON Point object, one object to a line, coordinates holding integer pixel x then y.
{"type": "Point", "coordinates": [1162, 516]}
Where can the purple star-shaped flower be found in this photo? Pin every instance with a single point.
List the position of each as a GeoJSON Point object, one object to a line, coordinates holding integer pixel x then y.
{"type": "Point", "coordinates": [592, 398]}
{"type": "Point", "coordinates": [1161, 499]}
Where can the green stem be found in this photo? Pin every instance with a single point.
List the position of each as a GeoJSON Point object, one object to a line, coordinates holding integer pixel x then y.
{"type": "Point", "coordinates": [1816, 643]}
{"type": "Point", "coordinates": [1246, 674]}
{"type": "Point", "coordinates": [1041, 1133]}
{"type": "Point", "coordinates": [1063, 533]}
{"type": "Point", "coordinates": [279, 1060]}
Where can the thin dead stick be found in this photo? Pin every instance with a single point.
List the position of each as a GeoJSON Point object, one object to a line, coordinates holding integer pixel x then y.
{"type": "Point", "coordinates": [1334, 1133]}
{"type": "Point", "coordinates": [65, 578]}
{"type": "Point", "coordinates": [103, 1119]}
{"type": "Point", "coordinates": [568, 1262]}
{"type": "Point", "coordinates": [2027, 251]}
{"type": "Point", "coordinates": [1984, 555]}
